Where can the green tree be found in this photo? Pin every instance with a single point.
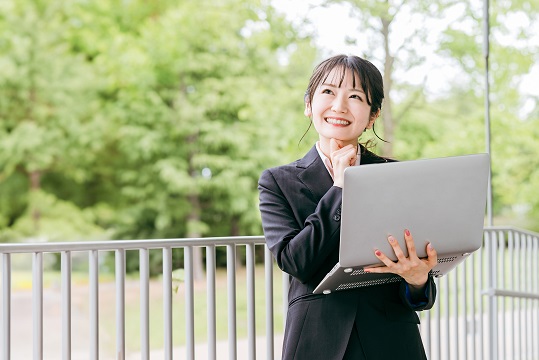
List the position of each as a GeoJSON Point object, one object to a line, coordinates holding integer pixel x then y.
{"type": "Point", "coordinates": [199, 114]}
{"type": "Point", "coordinates": [124, 110]}
{"type": "Point", "coordinates": [453, 123]}
{"type": "Point", "coordinates": [47, 98]}
{"type": "Point", "coordinates": [377, 21]}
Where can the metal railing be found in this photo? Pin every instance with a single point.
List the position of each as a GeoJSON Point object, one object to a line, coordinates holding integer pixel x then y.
{"type": "Point", "coordinates": [66, 251]}
{"type": "Point", "coordinates": [488, 308]}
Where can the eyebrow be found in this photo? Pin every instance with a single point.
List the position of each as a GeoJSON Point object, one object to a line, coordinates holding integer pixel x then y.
{"type": "Point", "coordinates": [335, 86]}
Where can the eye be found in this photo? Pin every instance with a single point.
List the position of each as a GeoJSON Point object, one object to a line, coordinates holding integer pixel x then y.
{"type": "Point", "coordinates": [358, 97]}
{"type": "Point", "coordinates": [327, 91]}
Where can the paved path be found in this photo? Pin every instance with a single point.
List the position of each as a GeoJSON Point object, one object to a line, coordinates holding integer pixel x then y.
{"type": "Point", "coordinates": [201, 351]}
{"type": "Point", "coordinates": [21, 332]}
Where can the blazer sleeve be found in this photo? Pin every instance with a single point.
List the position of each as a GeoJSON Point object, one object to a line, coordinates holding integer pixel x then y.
{"type": "Point", "coordinates": [299, 249]}
{"type": "Point", "coordinates": [422, 304]}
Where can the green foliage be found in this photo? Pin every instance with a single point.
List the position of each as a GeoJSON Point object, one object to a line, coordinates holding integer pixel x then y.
{"type": "Point", "coordinates": [153, 119]}
{"type": "Point", "coordinates": [143, 119]}
{"type": "Point", "coordinates": [59, 220]}
{"type": "Point", "coordinates": [514, 138]}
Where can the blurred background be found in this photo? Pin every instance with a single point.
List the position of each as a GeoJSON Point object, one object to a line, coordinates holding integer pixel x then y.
{"type": "Point", "coordinates": [137, 119]}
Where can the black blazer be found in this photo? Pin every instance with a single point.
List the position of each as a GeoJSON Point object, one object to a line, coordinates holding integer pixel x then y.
{"type": "Point", "coordinates": [300, 211]}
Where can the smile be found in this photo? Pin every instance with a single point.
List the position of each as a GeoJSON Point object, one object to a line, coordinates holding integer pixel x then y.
{"type": "Point", "coordinates": [337, 121]}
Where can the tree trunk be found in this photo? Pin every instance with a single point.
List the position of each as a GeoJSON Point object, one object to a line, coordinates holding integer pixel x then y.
{"type": "Point", "coordinates": [387, 112]}
{"type": "Point", "coordinates": [194, 217]}
{"type": "Point", "coordinates": [35, 185]}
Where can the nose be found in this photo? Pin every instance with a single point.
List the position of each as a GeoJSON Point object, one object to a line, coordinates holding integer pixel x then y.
{"type": "Point", "coordinates": [339, 105]}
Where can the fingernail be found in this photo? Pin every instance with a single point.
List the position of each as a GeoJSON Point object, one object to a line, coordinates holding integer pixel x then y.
{"type": "Point", "coordinates": [391, 238]}
{"type": "Point", "coordinates": [430, 246]}
{"type": "Point", "coordinates": [378, 252]}
{"type": "Point", "coordinates": [407, 232]}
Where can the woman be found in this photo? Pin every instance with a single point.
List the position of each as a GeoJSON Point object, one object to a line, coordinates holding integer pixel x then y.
{"type": "Point", "coordinates": [299, 203]}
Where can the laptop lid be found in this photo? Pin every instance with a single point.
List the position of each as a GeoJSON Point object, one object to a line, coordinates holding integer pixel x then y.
{"type": "Point", "coordinates": [439, 200]}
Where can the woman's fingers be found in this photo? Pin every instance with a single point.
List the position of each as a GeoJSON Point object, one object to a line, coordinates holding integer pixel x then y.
{"type": "Point", "coordinates": [389, 264]}
{"type": "Point", "coordinates": [341, 158]}
{"type": "Point", "coordinates": [412, 269]}
{"type": "Point", "coordinates": [432, 256]}
{"type": "Point", "coordinates": [410, 245]}
{"type": "Point", "coordinates": [381, 269]}
{"type": "Point", "coordinates": [396, 247]}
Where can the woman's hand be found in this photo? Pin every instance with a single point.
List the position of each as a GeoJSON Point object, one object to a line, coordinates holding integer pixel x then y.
{"type": "Point", "coordinates": [341, 157]}
{"type": "Point", "coordinates": [413, 270]}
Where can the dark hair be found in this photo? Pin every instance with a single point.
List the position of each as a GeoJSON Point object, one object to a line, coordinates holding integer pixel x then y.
{"type": "Point", "coordinates": [369, 76]}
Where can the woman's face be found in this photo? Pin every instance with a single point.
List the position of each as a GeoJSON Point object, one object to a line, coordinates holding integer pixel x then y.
{"type": "Point", "coordinates": [340, 112]}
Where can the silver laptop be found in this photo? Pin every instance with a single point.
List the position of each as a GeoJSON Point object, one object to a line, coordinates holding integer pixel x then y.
{"type": "Point", "coordinates": [440, 200]}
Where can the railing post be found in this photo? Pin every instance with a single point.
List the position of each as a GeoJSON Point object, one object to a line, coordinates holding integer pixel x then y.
{"type": "Point", "coordinates": [447, 339]}
{"type": "Point", "coordinates": [210, 287]}
{"type": "Point", "coordinates": [535, 289]}
{"type": "Point", "coordinates": [37, 301]}
{"type": "Point", "coordinates": [167, 303]}
{"type": "Point", "coordinates": [189, 304]}
{"type": "Point", "coordinates": [268, 270]}
{"type": "Point", "coordinates": [492, 313]}
{"type": "Point", "coordinates": [93, 259]}
{"type": "Point", "coordinates": [251, 329]}
{"type": "Point", "coordinates": [6, 307]}
{"type": "Point", "coordinates": [437, 315]}
{"type": "Point", "coordinates": [231, 290]}
{"type": "Point", "coordinates": [500, 268]}
{"type": "Point", "coordinates": [511, 286]}
{"type": "Point", "coordinates": [144, 279]}
{"type": "Point", "coordinates": [66, 304]}
{"type": "Point", "coordinates": [120, 303]}
{"type": "Point", "coordinates": [455, 311]}
{"type": "Point", "coordinates": [471, 259]}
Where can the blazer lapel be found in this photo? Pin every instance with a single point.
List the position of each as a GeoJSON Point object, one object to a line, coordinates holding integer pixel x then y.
{"type": "Point", "coordinates": [313, 174]}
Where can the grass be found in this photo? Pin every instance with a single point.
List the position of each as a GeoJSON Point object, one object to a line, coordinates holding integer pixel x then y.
{"type": "Point", "coordinates": [200, 311]}
{"type": "Point", "coordinates": [22, 279]}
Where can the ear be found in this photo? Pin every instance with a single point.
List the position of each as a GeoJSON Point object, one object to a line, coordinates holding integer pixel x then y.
{"type": "Point", "coordinates": [373, 119]}
{"type": "Point", "coordinates": [307, 110]}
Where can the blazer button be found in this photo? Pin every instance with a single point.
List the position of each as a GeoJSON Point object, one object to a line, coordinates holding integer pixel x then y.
{"type": "Point", "coordinates": [337, 217]}
{"type": "Point", "coordinates": [339, 211]}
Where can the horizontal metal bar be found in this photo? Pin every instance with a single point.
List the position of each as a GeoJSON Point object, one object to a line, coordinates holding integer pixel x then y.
{"type": "Point", "coordinates": [163, 243]}
{"type": "Point", "coordinates": [129, 244]}
{"type": "Point", "coordinates": [511, 228]}
{"type": "Point", "coordinates": [509, 293]}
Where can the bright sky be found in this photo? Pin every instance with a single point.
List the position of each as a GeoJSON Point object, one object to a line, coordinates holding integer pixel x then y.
{"type": "Point", "coordinates": [332, 25]}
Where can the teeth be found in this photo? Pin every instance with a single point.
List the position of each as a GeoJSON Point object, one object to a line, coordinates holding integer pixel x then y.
{"type": "Point", "coordinates": [337, 122]}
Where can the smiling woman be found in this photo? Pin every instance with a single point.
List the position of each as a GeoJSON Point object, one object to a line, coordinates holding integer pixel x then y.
{"type": "Point", "coordinates": [300, 204]}
{"type": "Point", "coordinates": [340, 104]}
